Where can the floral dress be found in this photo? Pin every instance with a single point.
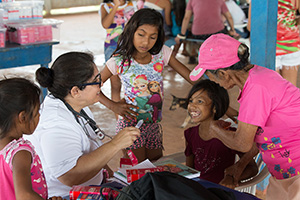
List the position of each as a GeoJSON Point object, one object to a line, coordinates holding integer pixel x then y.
{"type": "Point", "coordinates": [288, 38]}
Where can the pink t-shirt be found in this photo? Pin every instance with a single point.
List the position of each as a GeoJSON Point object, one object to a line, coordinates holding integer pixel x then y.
{"type": "Point", "coordinates": [207, 15]}
{"type": "Point", "coordinates": [272, 103]}
{"type": "Point", "coordinates": [37, 175]}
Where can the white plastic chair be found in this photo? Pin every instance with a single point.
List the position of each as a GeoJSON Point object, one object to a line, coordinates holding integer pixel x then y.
{"type": "Point", "coordinates": [249, 185]}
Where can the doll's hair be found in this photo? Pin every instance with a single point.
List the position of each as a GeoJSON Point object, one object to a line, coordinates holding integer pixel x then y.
{"type": "Point", "coordinates": [68, 70]}
{"type": "Point", "coordinates": [16, 95]}
{"type": "Point", "coordinates": [151, 83]}
{"type": "Point", "coordinates": [218, 95]}
{"type": "Point", "coordinates": [145, 16]}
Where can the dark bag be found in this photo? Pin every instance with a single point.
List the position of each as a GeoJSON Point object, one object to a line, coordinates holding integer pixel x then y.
{"type": "Point", "coordinates": [170, 186]}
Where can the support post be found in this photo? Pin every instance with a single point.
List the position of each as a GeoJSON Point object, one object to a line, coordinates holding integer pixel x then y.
{"type": "Point", "coordinates": [263, 32]}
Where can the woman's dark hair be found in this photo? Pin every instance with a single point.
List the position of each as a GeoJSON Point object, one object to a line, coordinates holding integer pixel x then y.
{"type": "Point", "coordinates": [243, 64]}
{"type": "Point", "coordinates": [68, 70]}
{"type": "Point", "coordinates": [179, 10]}
{"type": "Point", "coordinates": [218, 95]}
{"type": "Point", "coordinates": [143, 16]}
{"type": "Point", "coordinates": [16, 95]}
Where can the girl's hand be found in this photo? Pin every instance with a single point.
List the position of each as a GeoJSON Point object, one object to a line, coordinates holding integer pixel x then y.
{"type": "Point", "coordinates": [125, 110]}
{"type": "Point", "coordinates": [117, 3]}
{"type": "Point", "coordinates": [126, 137]}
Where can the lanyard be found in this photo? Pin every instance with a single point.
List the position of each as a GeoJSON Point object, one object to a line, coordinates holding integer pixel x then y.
{"type": "Point", "coordinates": [100, 133]}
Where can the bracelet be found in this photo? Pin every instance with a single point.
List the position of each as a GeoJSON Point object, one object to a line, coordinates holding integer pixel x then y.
{"type": "Point", "coordinates": [180, 36]}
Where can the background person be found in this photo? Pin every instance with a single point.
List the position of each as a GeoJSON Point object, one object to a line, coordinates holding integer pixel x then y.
{"type": "Point", "coordinates": [207, 20]}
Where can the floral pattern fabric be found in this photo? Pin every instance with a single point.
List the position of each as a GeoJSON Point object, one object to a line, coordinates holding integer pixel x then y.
{"type": "Point", "coordinates": [143, 84]}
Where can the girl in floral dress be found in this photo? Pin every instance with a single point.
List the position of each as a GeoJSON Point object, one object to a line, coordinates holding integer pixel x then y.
{"type": "Point", "coordinates": [139, 60]}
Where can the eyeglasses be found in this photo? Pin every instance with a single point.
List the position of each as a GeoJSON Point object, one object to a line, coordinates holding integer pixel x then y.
{"type": "Point", "coordinates": [93, 83]}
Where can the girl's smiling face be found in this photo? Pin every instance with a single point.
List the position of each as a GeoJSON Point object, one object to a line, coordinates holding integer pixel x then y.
{"type": "Point", "coordinates": [145, 38]}
{"type": "Point", "coordinates": [199, 107]}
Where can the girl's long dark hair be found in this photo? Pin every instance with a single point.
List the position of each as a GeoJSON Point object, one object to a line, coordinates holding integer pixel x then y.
{"type": "Point", "coordinates": [179, 10]}
{"type": "Point", "coordinates": [16, 95]}
{"type": "Point", "coordinates": [148, 16]}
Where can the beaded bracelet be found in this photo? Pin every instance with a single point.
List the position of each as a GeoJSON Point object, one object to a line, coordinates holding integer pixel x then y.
{"type": "Point", "coordinates": [180, 36]}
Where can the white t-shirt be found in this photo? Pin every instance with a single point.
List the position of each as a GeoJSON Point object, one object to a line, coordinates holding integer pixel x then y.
{"type": "Point", "coordinates": [59, 141]}
{"type": "Point", "coordinates": [236, 12]}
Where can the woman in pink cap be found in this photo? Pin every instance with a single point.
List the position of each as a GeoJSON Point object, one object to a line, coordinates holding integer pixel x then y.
{"type": "Point", "coordinates": [269, 111]}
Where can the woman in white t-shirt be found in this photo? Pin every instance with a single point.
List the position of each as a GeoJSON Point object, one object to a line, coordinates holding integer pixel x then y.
{"type": "Point", "coordinates": [67, 138]}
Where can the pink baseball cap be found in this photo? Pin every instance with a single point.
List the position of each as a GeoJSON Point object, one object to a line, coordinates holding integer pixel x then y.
{"type": "Point", "coordinates": [217, 51]}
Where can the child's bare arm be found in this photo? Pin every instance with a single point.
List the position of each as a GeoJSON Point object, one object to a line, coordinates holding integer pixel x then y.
{"type": "Point", "coordinates": [21, 164]}
{"type": "Point", "coordinates": [121, 107]}
{"type": "Point", "coordinates": [168, 9]}
{"type": "Point", "coordinates": [180, 69]}
{"type": "Point", "coordinates": [108, 18]}
{"type": "Point", "coordinates": [189, 161]}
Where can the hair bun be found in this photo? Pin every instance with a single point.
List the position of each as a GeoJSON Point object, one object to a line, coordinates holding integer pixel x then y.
{"type": "Point", "coordinates": [243, 53]}
{"type": "Point", "coordinates": [44, 77]}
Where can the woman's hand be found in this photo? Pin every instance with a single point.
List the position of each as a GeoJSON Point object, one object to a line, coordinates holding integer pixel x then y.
{"type": "Point", "coordinates": [126, 137]}
{"type": "Point", "coordinates": [229, 181]}
{"type": "Point", "coordinates": [232, 176]}
{"type": "Point", "coordinates": [125, 110]}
